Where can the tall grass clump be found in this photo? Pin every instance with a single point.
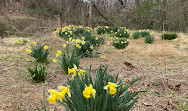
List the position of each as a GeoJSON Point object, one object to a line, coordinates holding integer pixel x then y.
{"type": "Point", "coordinates": [149, 39]}
{"type": "Point", "coordinates": [136, 35]}
{"type": "Point", "coordinates": [169, 36]}
{"type": "Point", "coordinates": [144, 33]}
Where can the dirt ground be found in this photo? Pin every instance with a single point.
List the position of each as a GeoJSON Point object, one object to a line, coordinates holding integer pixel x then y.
{"type": "Point", "coordinates": [162, 67]}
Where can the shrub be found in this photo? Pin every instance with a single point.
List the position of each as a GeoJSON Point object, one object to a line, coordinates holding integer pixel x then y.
{"type": "Point", "coordinates": [103, 93]}
{"type": "Point", "coordinates": [169, 36]}
{"type": "Point", "coordinates": [149, 39]}
{"type": "Point", "coordinates": [136, 35]}
{"type": "Point", "coordinates": [120, 43]}
{"type": "Point", "coordinates": [38, 52]}
{"type": "Point", "coordinates": [144, 33]}
{"type": "Point", "coordinates": [39, 73]}
{"type": "Point", "coordinates": [67, 58]}
{"type": "Point", "coordinates": [122, 33]}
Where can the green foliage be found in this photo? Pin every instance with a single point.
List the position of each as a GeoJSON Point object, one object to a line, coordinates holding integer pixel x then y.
{"type": "Point", "coordinates": [39, 73]}
{"type": "Point", "coordinates": [122, 100]}
{"type": "Point", "coordinates": [68, 58]}
{"type": "Point", "coordinates": [21, 42]}
{"type": "Point", "coordinates": [136, 35]}
{"type": "Point", "coordinates": [120, 43]}
{"type": "Point", "coordinates": [87, 46]}
{"type": "Point", "coordinates": [122, 33]}
{"type": "Point", "coordinates": [169, 36]}
{"type": "Point", "coordinates": [101, 30]}
{"type": "Point", "coordinates": [149, 39]}
{"type": "Point", "coordinates": [144, 33]}
{"type": "Point", "coordinates": [39, 54]}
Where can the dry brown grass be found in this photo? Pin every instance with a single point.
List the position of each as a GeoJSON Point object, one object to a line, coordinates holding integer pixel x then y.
{"type": "Point", "coordinates": [158, 65]}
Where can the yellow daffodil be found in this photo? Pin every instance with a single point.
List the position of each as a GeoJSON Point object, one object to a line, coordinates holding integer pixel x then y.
{"type": "Point", "coordinates": [67, 42]}
{"type": "Point", "coordinates": [81, 72]}
{"type": "Point", "coordinates": [54, 95]}
{"type": "Point", "coordinates": [34, 43]}
{"type": "Point", "coordinates": [72, 71]}
{"type": "Point", "coordinates": [54, 60]}
{"type": "Point", "coordinates": [96, 38]}
{"type": "Point", "coordinates": [112, 87]}
{"type": "Point", "coordinates": [64, 45]}
{"type": "Point", "coordinates": [45, 47]}
{"type": "Point", "coordinates": [83, 42]}
{"type": "Point", "coordinates": [29, 51]}
{"type": "Point", "coordinates": [89, 91]}
{"type": "Point", "coordinates": [59, 52]}
{"type": "Point", "coordinates": [103, 57]}
{"type": "Point", "coordinates": [27, 59]}
{"type": "Point", "coordinates": [83, 38]}
{"type": "Point", "coordinates": [91, 47]}
{"type": "Point", "coordinates": [28, 40]}
{"type": "Point", "coordinates": [152, 32]}
{"type": "Point", "coordinates": [70, 39]}
{"type": "Point", "coordinates": [77, 45]}
{"type": "Point", "coordinates": [64, 90]}
{"type": "Point", "coordinates": [29, 47]}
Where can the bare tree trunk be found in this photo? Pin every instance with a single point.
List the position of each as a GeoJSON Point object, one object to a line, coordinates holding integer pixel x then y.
{"type": "Point", "coordinates": [163, 18]}
{"type": "Point", "coordinates": [83, 17]}
{"type": "Point", "coordinates": [90, 14]}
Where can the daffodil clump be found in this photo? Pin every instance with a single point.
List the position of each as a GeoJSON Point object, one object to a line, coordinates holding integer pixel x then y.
{"type": "Point", "coordinates": [73, 31]}
{"type": "Point", "coordinates": [122, 32]}
{"type": "Point", "coordinates": [85, 45]}
{"type": "Point", "coordinates": [67, 58]}
{"type": "Point", "coordinates": [103, 93]}
{"type": "Point", "coordinates": [21, 42]}
{"type": "Point", "coordinates": [120, 43]}
{"type": "Point", "coordinates": [39, 53]}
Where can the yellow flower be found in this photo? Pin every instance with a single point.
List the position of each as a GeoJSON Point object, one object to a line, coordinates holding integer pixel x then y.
{"type": "Point", "coordinates": [54, 60]}
{"type": "Point", "coordinates": [29, 51]}
{"type": "Point", "coordinates": [64, 45]}
{"type": "Point", "coordinates": [70, 39]}
{"type": "Point", "coordinates": [73, 40]}
{"type": "Point", "coordinates": [57, 55]}
{"type": "Point", "coordinates": [59, 52]}
{"type": "Point", "coordinates": [77, 45]}
{"type": "Point", "coordinates": [91, 47]}
{"type": "Point", "coordinates": [29, 47]}
{"type": "Point", "coordinates": [103, 57]}
{"type": "Point", "coordinates": [83, 42]}
{"type": "Point", "coordinates": [96, 38]}
{"type": "Point", "coordinates": [152, 32]}
{"type": "Point", "coordinates": [112, 87]}
{"type": "Point", "coordinates": [81, 72]}
{"type": "Point", "coordinates": [108, 43]}
{"type": "Point", "coordinates": [83, 38]}
{"type": "Point", "coordinates": [34, 43]}
{"type": "Point", "coordinates": [67, 42]}
{"type": "Point", "coordinates": [27, 59]}
{"type": "Point", "coordinates": [89, 91]}
{"type": "Point", "coordinates": [54, 95]}
{"type": "Point", "coordinates": [28, 40]}
{"type": "Point", "coordinates": [122, 42]}
{"type": "Point", "coordinates": [73, 71]}
{"type": "Point", "coordinates": [64, 90]}
{"type": "Point", "coordinates": [45, 47]}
